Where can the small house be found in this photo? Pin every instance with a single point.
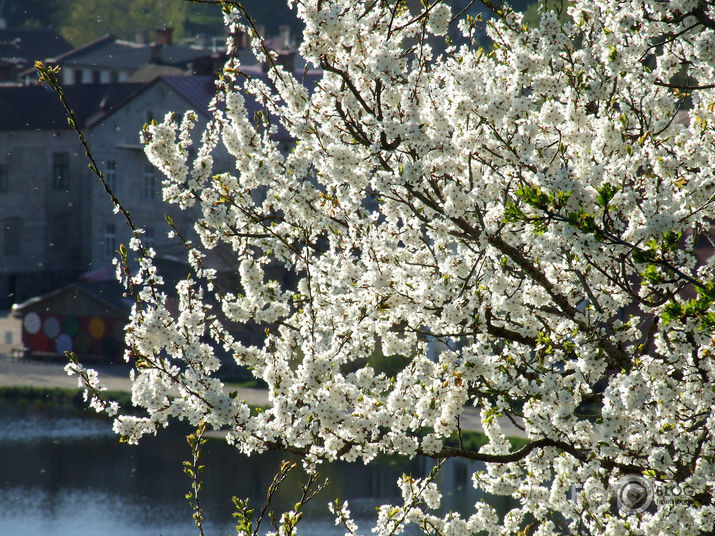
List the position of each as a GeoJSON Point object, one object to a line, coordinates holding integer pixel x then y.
{"type": "Point", "coordinates": [87, 319]}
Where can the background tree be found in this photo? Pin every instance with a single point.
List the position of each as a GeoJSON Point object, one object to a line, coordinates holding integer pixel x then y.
{"type": "Point", "coordinates": [540, 210]}
{"type": "Point", "coordinates": [32, 13]}
{"type": "Point", "coordinates": [83, 21]}
{"type": "Point", "coordinates": [87, 20]}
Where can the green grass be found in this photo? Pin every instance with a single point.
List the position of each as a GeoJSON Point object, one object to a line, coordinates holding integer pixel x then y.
{"type": "Point", "coordinates": [472, 440]}
{"type": "Point", "coordinates": [252, 383]}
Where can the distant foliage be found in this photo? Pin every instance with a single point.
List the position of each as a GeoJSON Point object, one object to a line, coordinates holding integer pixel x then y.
{"type": "Point", "coordinates": [81, 21]}
{"type": "Point", "coordinates": [85, 20]}
{"type": "Point", "coordinates": [32, 13]}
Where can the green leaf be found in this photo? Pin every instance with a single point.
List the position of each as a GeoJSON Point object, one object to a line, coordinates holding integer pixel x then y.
{"type": "Point", "coordinates": [652, 274]}
{"type": "Point", "coordinates": [605, 194]}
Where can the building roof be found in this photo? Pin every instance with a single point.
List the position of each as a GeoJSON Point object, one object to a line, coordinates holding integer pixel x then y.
{"type": "Point", "coordinates": [25, 45]}
{"type": "Point", "coordinates": [197, 90]}
{"type": "Point", "coordinates": [39, 108]}
{"type": "Point", "coordinates": [151, 71]}
{"type": "Point", "coordinates": [109, 53]}
{"type": "Point", "coordinates": [107, 297]}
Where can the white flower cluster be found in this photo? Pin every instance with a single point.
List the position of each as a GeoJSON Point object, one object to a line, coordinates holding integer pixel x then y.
{"type": "Point", "coordinates": [439, 19]}
{"type": "Point", "coordinates": [523, 229]}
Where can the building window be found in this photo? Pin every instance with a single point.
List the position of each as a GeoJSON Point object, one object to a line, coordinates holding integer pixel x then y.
{"type": "Point", "coordinates": [110, 240]}
{"type": "Point", "coordinates": [149, 182]}
{"type": "Point", "coordinates": [3, 178]}
{"type": "Point", "coordinates": [96, 77]}
{"type": "Point", "coordinates": [12, 230]}
{"type": "Point", "coordinates": [113, 77]}
{"type": "Point", "coordinates": [110, 175]}
{"type": "Point", "coordinates": [60, 171]}
{"type": "Point", "coordinates": [77, 74]}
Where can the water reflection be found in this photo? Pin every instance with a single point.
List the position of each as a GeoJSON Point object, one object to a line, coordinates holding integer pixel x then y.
{"type": "Point", "coordinates": [35, 428]}
{"type": "Point", "coordinates": [36, 511]}
{"type": "Point", "coordinates": [63, 474]}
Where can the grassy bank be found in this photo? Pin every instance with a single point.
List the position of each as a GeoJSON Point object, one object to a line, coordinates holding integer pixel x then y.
{"type": "Point", "coordinates": [472, 440]}
{"type": "Point", "coordinates": [58, 398]}
{"type": "Point", "coordinates": [46, 397]}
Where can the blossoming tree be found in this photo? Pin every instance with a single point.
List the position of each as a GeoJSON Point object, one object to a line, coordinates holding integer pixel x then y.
{"type": "Point", "coordinates": [538, 210]}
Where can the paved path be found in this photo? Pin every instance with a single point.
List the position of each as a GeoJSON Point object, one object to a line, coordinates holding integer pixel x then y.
{"type": "Point", "coordinates": [116, 378]}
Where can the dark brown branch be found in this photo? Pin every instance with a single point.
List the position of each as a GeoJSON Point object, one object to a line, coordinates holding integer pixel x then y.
{"type": "Point", "coordinates": [504, 333]}
{"type": "Point", "coordinates": [325, 65]}
{"type": "Point", "coordinates": [684, 87]}
{"type": "Point", "coordinates": [511, 457]}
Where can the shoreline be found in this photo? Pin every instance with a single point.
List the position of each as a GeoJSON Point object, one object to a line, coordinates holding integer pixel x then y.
{"type": "Point", "coordinates": [64, 397]}
{"type": "Point", "coordinates": [50, 375]}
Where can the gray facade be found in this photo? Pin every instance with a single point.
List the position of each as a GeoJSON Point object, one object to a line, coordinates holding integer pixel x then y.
{"type": "Point", "coordinates": [116, 146]}
{"type": "Point", "coordinates": [27, 242]}
{"type": "Point", "coordinates": [41, 226]}
{"type": "Point", "coordinates": [57, 220]}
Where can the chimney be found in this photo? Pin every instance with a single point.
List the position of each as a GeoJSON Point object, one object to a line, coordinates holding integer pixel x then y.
{"type": "Point", "coordinates": [142, 37]}
{"type": "Point", "coordinates": [284, 32]}
{"type": "Point", "coordinates": [240, 39]}
{"type": "Point", "coordinates": [202, 40]}
{"type": "Point", "coordinates": [155, 53]}
{"type": "Point", "coordinates": [164, 36]}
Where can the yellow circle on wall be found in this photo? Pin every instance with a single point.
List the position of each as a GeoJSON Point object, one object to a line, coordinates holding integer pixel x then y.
{"type": "Point", "coordinates": [96, 328]}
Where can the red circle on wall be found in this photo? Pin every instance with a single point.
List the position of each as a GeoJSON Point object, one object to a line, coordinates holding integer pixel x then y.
{"type": "Point", "coordinates": [39, 342]}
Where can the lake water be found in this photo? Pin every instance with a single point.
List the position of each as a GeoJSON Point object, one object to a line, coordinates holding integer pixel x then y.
{"type": "Point", "coordinates": [64, 474]}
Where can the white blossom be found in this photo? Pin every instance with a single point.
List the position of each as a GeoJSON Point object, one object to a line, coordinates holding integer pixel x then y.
{"type": "Point", "coordinates": [523, 228]}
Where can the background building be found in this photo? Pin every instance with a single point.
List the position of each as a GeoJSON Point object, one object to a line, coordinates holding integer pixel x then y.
{"type": "Point", "coordinates": [58, 230]}
{"type": "Point", "coordinates": [110, 60]}
{"type": "Point", "coordinates": [44, 186]}
{"type": "Point", "coordinates": [19, 48]}
{"type": "Point", "coordinates": [57, 219]}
